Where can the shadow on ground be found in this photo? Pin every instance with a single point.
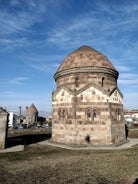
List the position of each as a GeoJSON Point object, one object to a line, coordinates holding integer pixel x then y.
{"type": "Point", "coordinates": [26, 139]}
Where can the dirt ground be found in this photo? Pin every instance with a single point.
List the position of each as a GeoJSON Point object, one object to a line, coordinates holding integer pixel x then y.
{"type": "Point", "coordinates": [39, 164]}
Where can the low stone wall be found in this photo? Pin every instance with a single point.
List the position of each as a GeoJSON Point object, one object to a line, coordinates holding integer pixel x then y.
{"type": "Point", "coordinates": [16, 132]}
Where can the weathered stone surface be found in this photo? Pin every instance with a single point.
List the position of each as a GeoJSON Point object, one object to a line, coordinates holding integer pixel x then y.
{"type": "Point", "coordinates": [3, 127]}
{"type": "Point", "coordinates": [87, 104]}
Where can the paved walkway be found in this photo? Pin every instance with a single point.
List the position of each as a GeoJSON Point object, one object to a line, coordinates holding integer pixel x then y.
{"type": "Point", "coordinates": [128, 144]}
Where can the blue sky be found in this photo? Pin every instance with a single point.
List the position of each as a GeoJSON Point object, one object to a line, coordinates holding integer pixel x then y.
{"type": "Point", "coordinates": [36, 35]}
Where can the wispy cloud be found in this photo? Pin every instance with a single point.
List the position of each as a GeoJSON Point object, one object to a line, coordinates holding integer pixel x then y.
{"type": "Point", "coordinates": [11, 43]}
{"type": "Point", "coordinates": [44, 63]}
{"type": "Point", "coordinates": [91, 25]}
{"type": "Point", "coordinates": [128, 79]}
{"type": "Point", "coordinates": [122, 68]}
{"type": "Point", "coordinates": [13, 99]}
{"type": "Point", "coordinates": [131, 82]}
{"type": "Point", "coordinates": [129, 75]}
{"type": "Point", "coordinates": [18, 80]}
{"type": "Point", "coordinates": [130, 101]}
{"type": "Point", "coordinates": [47, 68]}
{"type": "Point", "coordinates": [12, 94]}
{"type": "Point", "coordinates": [17, 19]}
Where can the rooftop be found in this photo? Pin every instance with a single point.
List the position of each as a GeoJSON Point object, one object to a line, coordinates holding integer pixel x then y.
{"type": "Point", "coordinates": [86, 56]}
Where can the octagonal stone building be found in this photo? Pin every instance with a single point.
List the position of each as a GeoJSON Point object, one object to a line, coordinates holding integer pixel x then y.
{"type": "Point", "coordinates": [87, 106]}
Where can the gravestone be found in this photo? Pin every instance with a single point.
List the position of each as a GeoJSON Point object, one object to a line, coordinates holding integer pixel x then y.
{"type": "Point", "coordinates": [3, 127]}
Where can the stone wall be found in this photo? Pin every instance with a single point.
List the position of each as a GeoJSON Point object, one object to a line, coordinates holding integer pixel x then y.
{"type": "Point", "coordinates": [87, 104]}
{"type": "Point", "coordinates": [88, 117]}
{"type": "Point", "coordinates": [3, 127]}
{"type": "Point", "coordinates": [78, 81]}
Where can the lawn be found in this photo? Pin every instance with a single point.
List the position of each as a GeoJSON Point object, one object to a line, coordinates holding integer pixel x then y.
{"type": "Point", "coordinates": [39, 164]}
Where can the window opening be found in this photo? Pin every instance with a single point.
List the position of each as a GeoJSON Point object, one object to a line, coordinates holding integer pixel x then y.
{"type": "Point", "coordinates": [77, 81]}
{"type": "Point", "coordinates": [89, 115]}
{"type": "Point", "coordinates": [94, 114]}
{"type": "Point", "coordinates": [118, 115]}
{"type": "Point", "coordinates": [102, 81]}
{"type": "Point", "coordinates": [62, 113]}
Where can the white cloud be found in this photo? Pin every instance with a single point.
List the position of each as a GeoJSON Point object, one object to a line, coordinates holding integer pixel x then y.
{"type": "Point", "coordinates": [48, 68]}
{"type": "Point", "coordinates": [97, 28]}
{"type": "Point", "coordinates": [129, 75]}
{"type": "Point", "coordinates": [128, 79]}
{"type": "Point", "coordinates": [130, 101]}
{"type": "Point", "coordinates": [16, 26]}
{"type": "Point", "coordinates": [123, 68]}
{"type": "Point", "coordinates": [10, 43]}
{"type": "Point", "coordinates": [18, 80]}
{"type": "Point", "coordinates": [12, 100]}
{"type": "Point", "coordinates": [128, 82]}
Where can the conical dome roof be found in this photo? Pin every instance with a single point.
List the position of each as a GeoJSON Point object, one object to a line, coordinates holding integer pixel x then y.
{"type": "Point", "coordinates": [85, 56]}
{"type": "Point", "coordinates": [32, 109]}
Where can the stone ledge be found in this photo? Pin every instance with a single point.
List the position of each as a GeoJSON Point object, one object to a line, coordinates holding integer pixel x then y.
{"type": "Point", "coordinates": [129, 143]}
{"type": "Point", "coordinates": [13, 149]}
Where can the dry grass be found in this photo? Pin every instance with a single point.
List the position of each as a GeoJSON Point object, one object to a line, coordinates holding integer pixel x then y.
{"type": "Point", "coordinates": [133, 133]}
{"type": "Point", "coordinates": [49, 165]}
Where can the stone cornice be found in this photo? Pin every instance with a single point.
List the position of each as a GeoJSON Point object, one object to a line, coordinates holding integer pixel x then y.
{"type": "Point", "coordinates": [92, 85]}
{"type": "Point", "coordinates": [59, 89]}
{"type": "Point", "coordinates": [89, 69]}
{"type": "Point", "coordinates": [116, 88]}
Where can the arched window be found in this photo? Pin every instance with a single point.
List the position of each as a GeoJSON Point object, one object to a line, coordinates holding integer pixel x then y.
{"type": "Point", "coordinates": [102, 81]}
{"type": "Point", "coordinates": [89, 114]}
{"type": "Point", "coordinates": [94, 114]}
{"type": "Point", "coordinates": [77, 81]}
{"type": "Point", "coordinates": [62, 113]}
{"type": "Point", "coordinates": [118, 115]}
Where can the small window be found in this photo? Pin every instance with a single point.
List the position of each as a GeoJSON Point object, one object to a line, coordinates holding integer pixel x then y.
{"type": "Point", "coordinates": [62, 113]}
{"type": "Point", "coordinates": [77, 81]}
{"type": "Point", "coordinates": [102, 81]}
{"type": "Point", "coordinates": [118, 115]}
{"type": "Point", "coordinates": [94, 114]}
{"type": "Point", "coordinates": [89, 114]}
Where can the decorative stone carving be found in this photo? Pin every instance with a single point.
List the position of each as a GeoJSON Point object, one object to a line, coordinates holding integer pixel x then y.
{"type": "Point", "coordinates": [91, 97]}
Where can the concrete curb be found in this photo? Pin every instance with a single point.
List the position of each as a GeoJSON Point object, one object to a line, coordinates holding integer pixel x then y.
{"type": "Point", "coordinates": [13, 149]}
{"type": "Point", "coordinates": [128, 144]}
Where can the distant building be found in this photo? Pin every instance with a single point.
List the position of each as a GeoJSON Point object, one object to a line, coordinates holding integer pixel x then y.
{"type": "Point", "coordinates": [17, 117]}
{"type": "Point", "coordinates": [31, 115]}
{"type": "Point", "coordinates": [131, 117]}
{"type": "Point", "coordinates": [12, 119]}
{"type": "Point", "coordinates": [87, 104]}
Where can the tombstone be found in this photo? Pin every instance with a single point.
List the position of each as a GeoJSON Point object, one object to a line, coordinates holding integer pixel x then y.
{"type": "Point", "coordinates": [3, 127]}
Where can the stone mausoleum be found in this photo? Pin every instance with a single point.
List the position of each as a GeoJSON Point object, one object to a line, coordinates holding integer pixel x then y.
{"type": "Point", "coordinates": [87, 105]}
